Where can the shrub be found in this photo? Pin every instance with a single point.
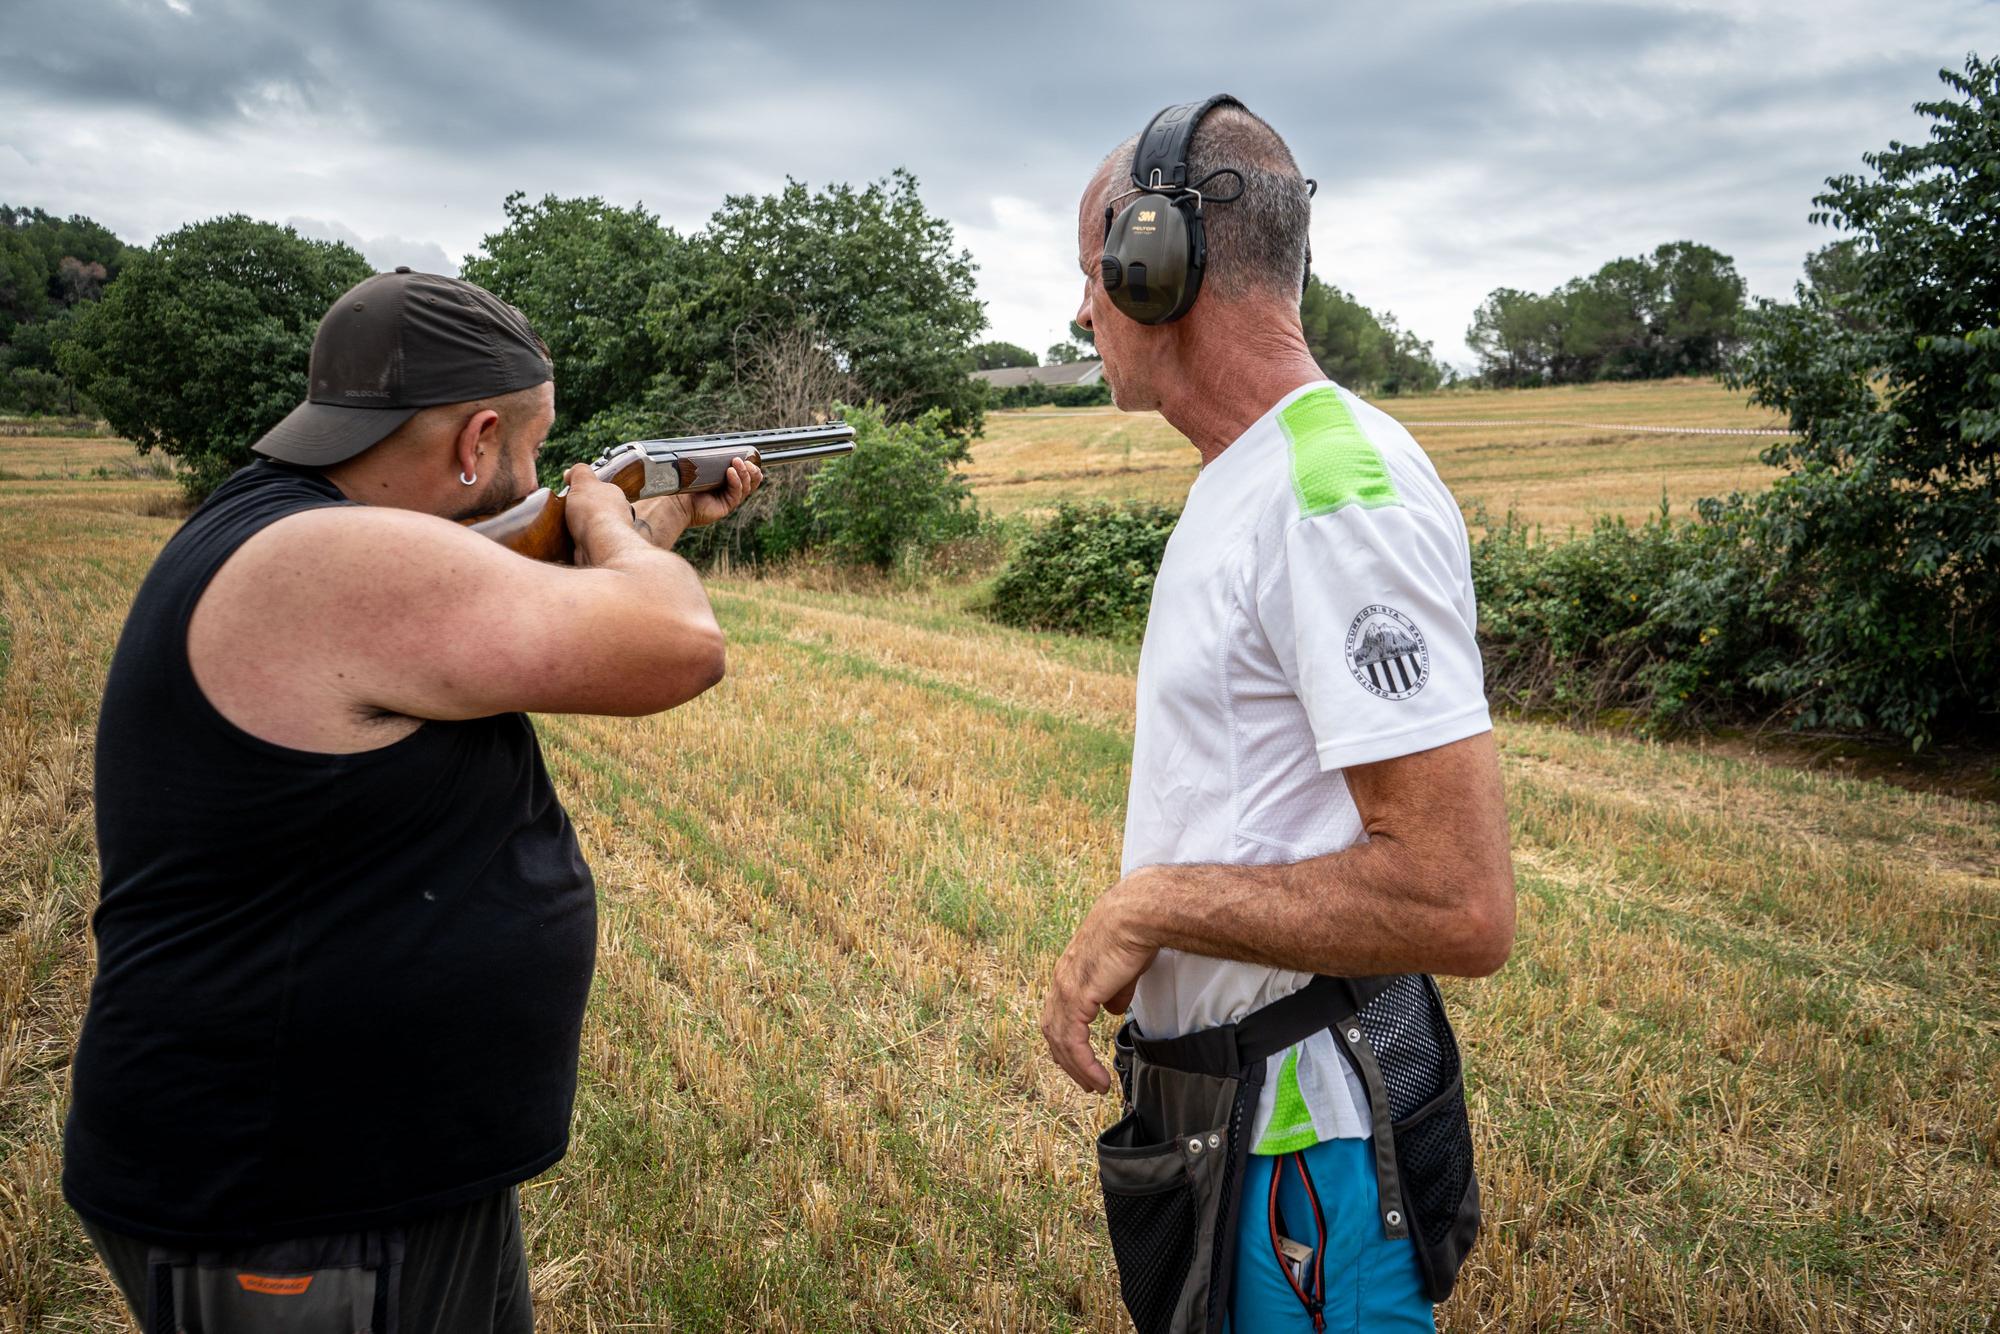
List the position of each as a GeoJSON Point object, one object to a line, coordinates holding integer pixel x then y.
{"type": "Point", "coordinates": [1655, 618]}
{"type": "Point", "coordinates": [1048, 395]}
{"type": "Point", "coordinates": [202, 345]}
{"type": "Point", "coordinates": [894, 495]}
{"type": "Point", "coordinates": [1089, 570]}
{"type": "Point", "coordinates": [1663, 620]}
{"type": "Point", "coordinates": [34, 392]}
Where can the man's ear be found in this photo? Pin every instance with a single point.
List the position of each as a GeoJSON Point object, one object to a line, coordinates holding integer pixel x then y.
{"type": "Point", "coordinates": [477, 446]}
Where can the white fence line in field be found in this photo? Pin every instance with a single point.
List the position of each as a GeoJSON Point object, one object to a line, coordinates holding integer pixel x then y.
{"type": "Point", "coordinates": [1602, 426]}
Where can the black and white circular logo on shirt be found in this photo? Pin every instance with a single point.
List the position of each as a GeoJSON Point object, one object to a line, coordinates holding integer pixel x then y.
{"type": "Point", "coordinates": [1387, 654]}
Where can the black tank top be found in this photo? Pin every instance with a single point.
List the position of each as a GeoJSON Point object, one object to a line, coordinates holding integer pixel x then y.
{"type": "Point", "coordinates": [333, 991]}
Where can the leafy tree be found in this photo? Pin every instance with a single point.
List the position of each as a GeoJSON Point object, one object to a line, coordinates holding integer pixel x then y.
{"type": "Point", "coordinates": [1833, 273]}
{"type": "Point", "coordinates": [1601, 323]}
{"type": "Point", "coordinates": [201, 345]}
{"type": "Point", "coordinates": [1413, 364]}
{"type": "Point", "coordinates": [872, 273]}
{"type": "Point", "coordinates": [48, 264]}
{"type": "Point", "coordinates": [1883, 537]}
{"type": "Point", "coordinates": [1364, 350]}
{"type": "Point", "coordinates": [995, 356]}
{"type": "Point", "coordinates": [1344, 335]}
{"type": "Point", "coordinates": [895, 494]}
{"type": "Point", "coordinates": [1065, 354]}
{"type": "Point", "coordinates": [23, 297]}
{"type": "Point", "coordinates": [1674, 312]}
{"type": "Point", "coordinates": [1516, 336]}
{"type": "Point", "coordinates": [582, 271]}
{"type": "Point", "coordinates": [1697, 306]}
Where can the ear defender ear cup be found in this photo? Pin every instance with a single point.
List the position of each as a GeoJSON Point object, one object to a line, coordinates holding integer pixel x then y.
{"type": "Point", "coordinates": [1154, 251]}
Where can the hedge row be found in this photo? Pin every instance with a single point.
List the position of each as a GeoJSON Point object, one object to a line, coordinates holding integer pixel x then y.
{"type": "Point", "coordinates": [1672, 622]}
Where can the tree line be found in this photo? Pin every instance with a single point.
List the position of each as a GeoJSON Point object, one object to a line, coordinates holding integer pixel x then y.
{"type": "Point", "coordinates": [1677, 311]}
{"type": "Point", "coordinates": [49, 266]}
{"type": "Point", "coordinates": [780, 308]}
{"type": "Point", "coordinates": [855, 290]}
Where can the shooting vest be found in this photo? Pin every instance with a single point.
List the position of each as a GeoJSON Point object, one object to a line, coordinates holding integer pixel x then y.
{"type": "Point", "coordinates": [333, 991]}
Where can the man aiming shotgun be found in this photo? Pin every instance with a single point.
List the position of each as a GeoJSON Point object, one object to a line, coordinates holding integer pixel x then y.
{"type": "Point", "coordinates": [345, 932]}
{"type": "Point", "coordinates": [1315, 819]}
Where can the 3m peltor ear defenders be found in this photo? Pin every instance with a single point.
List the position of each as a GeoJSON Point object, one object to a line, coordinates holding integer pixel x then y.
{"type": "Point", "coordinates": [1155, 248]}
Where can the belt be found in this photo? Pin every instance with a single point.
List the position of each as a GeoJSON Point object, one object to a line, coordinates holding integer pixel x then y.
{"type": "Point", "coordinates": [1227, 1050]}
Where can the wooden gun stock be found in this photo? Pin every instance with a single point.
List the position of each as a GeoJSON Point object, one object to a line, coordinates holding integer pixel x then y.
{"type": "Point", "coordinates": [538, 528]}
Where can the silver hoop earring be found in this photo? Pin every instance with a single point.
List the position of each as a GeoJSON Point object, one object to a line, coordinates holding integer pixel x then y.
{"type": "Point", "coordinates": [463, 480]}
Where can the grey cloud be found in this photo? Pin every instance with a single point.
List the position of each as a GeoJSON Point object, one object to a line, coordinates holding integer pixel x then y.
{"type": "Point", "coordinates": [199, 65]}
{"type": "Point", "coordinates": [1537, 135]}
{"type": "Point", "coordinates": [466, 71]}
{"type": "Point", "coordinates": [384, 252]}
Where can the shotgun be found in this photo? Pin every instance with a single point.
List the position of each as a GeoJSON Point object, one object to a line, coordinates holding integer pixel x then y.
{"type": "Point", "coordinates": [535, 527]}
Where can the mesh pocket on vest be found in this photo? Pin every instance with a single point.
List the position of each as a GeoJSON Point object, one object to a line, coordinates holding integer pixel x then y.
{"type": "Point", "coordinates": [1153, 1237]}
{"type": "Point", "coordinates": [1424, 1085]}
{"type": "Point", "coordinates": [1435, 1154]}
{"type": "Point", "coordinates": [1406, 1026]}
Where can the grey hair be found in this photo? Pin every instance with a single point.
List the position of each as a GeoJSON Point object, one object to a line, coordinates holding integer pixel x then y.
{"type": "Point", "coordinates": [1256, 244]}
{"type": "Point", "coordinates": [1116, 169]}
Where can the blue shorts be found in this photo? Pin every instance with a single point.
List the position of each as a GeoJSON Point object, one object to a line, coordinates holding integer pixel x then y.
{"type": "Point", "coordinates": [1365, 1282]}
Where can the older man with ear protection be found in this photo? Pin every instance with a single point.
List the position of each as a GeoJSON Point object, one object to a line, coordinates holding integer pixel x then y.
{"type": "Point", "coordinates": [1315, 821]}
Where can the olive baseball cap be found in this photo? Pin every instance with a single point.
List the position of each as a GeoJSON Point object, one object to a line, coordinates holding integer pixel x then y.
{"type": "Point", "coordinates": [397, 343]}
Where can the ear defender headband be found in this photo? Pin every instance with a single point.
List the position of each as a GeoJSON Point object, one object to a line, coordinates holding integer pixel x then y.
{"type": "Point", "coordinates": [1156, 248]}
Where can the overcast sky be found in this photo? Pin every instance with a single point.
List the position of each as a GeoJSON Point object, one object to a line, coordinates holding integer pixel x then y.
{"type": "Point", "coordinates": [1459, 147]}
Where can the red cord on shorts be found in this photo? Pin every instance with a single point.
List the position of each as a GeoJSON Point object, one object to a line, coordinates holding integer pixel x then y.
{"type": "Point", "coordinates": [1312, 1295]}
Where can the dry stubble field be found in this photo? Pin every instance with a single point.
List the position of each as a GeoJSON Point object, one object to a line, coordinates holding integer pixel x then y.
{"type": "Point", "coordinates": [1557, 464]}
{"type": "Point", "coordinates": [1743, 1071]}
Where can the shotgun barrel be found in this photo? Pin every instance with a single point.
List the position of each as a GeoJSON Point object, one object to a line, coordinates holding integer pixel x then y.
{"type": "Point", "coordinates": [642, 469]}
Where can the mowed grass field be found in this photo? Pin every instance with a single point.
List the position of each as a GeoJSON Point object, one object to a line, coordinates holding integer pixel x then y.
{"type": "Point", "coordinates": [1556, 462]}
{"type": "Point", "coordinates": [1742, 1073]}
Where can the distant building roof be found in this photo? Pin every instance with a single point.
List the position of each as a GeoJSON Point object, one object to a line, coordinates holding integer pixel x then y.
{"type": "Point", "coordinates": [1075, 372]}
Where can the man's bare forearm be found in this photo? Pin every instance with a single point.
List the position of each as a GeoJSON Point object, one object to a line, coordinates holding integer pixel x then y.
{"type": "Point", "coordinates": [1431, 889]}
{"type": "Point", "coordinates": [663, 581]}
{"type": "Point", "coordinates": [1370, 909]}
{"type": "Point", "coordinates": [1438, 899]}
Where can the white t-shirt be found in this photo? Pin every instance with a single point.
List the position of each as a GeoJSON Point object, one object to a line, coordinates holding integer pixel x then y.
{"type": "Point", "coordinates": [1314, 610]}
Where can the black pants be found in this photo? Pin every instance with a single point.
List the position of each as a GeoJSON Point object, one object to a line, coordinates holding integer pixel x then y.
{"type": "Point", "coordinates": [462, 1271]}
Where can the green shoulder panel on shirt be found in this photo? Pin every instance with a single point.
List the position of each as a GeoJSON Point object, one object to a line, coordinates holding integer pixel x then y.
{"type": "Point", "coordinates": [1334, 463]}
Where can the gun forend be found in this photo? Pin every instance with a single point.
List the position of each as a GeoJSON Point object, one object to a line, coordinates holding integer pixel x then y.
{"type": "Point", "coordinates": [536, 527]}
